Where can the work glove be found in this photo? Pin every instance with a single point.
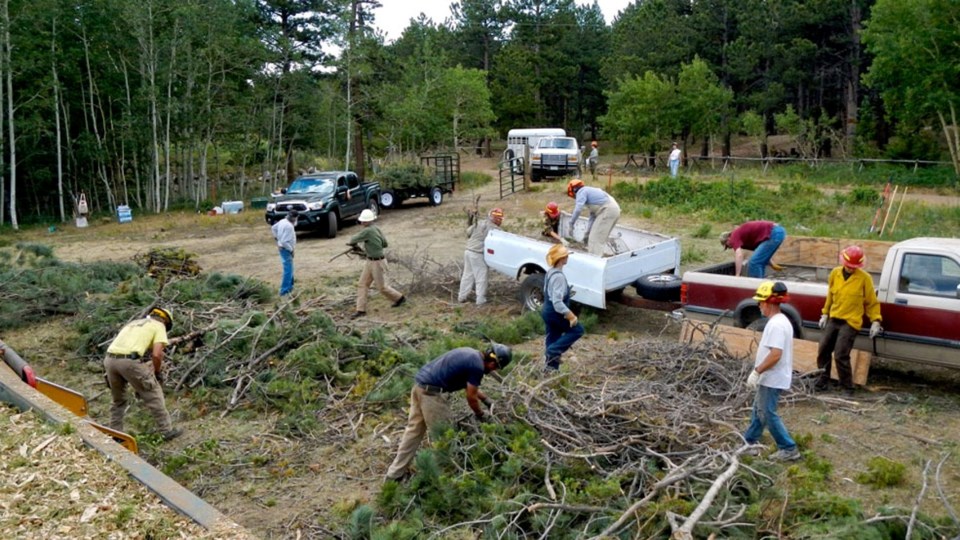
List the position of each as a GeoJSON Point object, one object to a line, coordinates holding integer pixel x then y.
{"type": "Point", "coordinates": [823, 321]}
{"type": "Point", "coordinates": [776, 267]}
{"type": "Point", "coordinates": [565, 242]}
{"type": "Point", "coordinates": [753, 380]}
{"type": "Point", "coordinates": [571, 318]}
{"type": "Point", "coordinates": [875, 329]}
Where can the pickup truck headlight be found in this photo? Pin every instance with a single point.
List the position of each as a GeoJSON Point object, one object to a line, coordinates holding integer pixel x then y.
{"type": "Point", "coordinates": [573, 159]}
{"type": "Point", "coordinates": [271, 206]}
{"type": "Point", "coordinates": [315, 205]}
{"type": "Point", "coordinates": [535, 157]}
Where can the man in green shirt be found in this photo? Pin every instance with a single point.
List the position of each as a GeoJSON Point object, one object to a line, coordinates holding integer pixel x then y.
{"type": "Point", "coordinates": [375, 269]}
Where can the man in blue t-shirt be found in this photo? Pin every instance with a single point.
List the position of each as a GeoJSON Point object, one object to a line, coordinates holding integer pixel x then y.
{"type": "Point", "coordinates": [459, 369]}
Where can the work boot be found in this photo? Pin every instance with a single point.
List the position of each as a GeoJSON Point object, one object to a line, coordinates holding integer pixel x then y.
{"type": "Point", "coordinates": [821, 384]}
{"type": "Point", "coordinates": [172, 434]}
{"type": "Point", "coordinates": [358, 314]}
{"type": "Point", "coordinates": [400, 301]}
{"type": "Point", "coordinates": [786, 455]}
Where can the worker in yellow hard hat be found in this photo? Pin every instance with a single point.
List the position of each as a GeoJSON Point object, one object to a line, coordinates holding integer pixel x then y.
{"type": "Point", "coordinates": [563, 326]}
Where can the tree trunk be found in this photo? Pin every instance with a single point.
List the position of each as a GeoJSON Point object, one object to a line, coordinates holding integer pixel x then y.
{"type": "Point", "coordinates": [852, 93]}
{"type": "Point", "coordinates": [166, 138]}
{"type": "Point", "coordinates": [12, 133]}
{"type": "Point", "coordinates": [95, 126]}
{"type": "Point", "coordinates": [56, 115]}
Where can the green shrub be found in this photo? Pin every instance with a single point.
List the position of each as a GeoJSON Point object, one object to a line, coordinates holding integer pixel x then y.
{"type": "Point", "coordinates": [882, 472]}
{"type": "Point", "coordinates": [474, 179]}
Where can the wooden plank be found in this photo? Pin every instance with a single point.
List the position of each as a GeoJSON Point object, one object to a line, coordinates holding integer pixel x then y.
{"type": "Point", "coordinates": [825, 252]}
{"type": "Point", "coordinates": [743, 343]}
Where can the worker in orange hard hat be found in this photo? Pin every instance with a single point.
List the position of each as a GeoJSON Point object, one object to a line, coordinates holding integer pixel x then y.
{"type": "Point", "coordinates": [474, 267]}
{"type": "Point", "coordinates": [551, 223]}
{"type": "Point", "coordinates": [594, 159]}
{"type": "Point", "coordinates": [850, 296]}
{"type": "Point", "coordinates": [604, 213]}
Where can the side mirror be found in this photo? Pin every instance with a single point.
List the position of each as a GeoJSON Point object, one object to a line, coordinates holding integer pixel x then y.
{"type": "Point", "coordinates": [283, 191]}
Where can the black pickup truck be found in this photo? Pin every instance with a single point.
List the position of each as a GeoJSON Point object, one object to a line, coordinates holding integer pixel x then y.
{"type": "Point", "coordinates": [324, 201]}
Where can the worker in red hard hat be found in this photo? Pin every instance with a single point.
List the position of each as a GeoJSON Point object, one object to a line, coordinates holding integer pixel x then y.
{"type": "Point", "coordinates": [850, 296]}
{"type": "Point", "coordinates": [474, 267]}
{"type": "Point", "coordinates": [551, 223]}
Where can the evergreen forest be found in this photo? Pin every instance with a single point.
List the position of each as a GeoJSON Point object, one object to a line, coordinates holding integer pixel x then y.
{"type": "Point", "coordinates": [159, 104]}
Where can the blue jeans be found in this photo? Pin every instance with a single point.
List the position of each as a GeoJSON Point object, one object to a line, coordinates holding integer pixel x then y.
{"type": "Point", "coordinates": [286, 283]}
{"type": "Point", "coordinates": [765, 415]}
{"type": "Point", "coordinates": [757, 266]}
{"type": "Point", "coordinates": [674, 167]}
{"type": "Point", "coordinates": [560, 336]}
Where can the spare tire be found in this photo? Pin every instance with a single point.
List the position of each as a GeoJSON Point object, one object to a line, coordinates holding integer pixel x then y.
{"type": "Point", "coordinates": [659, 287]}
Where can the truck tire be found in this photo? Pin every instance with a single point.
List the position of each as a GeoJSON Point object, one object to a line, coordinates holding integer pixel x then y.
{"type": "Point", "coordinates": [436, 196]}
{"type": "Point", "coordinates": [658, 287]}
{"type": "Point", "coordinates": [331, 229]}
{"type": "Point", "coordinates": [792, 314]}
{"type": "Point", "coordinates": [389, 199]}
{"type": "Point", "coordinates": [531, 292]}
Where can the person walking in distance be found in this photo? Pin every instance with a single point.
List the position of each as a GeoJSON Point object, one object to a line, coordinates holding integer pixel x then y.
{"type": "Point", "coordinates": [459, 369]}
{"type": "Point", "coordinates": [375, 267]}
{"type": "Point", "coordinates": [474, 267]}
{"type": "Point", "coordinates": [604, 213]}
{"type": "Point", "coordinates": [563, 327]}
{"type": "Point", "coordinates": [551, 223]}
{"type": "Point", "coordinates": [135, 357]}
{"type": "Point", "coordinates": [593, 160]}
{"type": "Point", "coordinates": [772, 372]}
{"type": "Point", "coordinates": [285, 233]}
{"type": "Point", "coordinates": [763, 238]}
{"type": "Point", "coordinates": [850, 296]}
{"type": "Point", "coordinates": [674, 160]}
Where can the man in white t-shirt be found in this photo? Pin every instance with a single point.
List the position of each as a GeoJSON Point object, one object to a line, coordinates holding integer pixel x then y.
{"type": "Point", "coordinates": [772, 372]}
{"type": "Point", "coordinates": [674, 160]}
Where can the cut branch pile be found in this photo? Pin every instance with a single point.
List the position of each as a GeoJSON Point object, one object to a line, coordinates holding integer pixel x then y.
{"type": "Point", "coordinates": [164, 263]}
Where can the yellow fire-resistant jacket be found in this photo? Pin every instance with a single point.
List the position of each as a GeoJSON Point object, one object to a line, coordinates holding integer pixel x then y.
{"type": "Point", "coordinates": [850, 298]}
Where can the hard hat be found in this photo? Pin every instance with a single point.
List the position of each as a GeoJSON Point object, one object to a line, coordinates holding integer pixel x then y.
{"type": "Point", "coordinates": [162, 314]}
{"type": "Point", "coordinates": [852, 256]}
{"type": "Point", "coordinates": [594, 144]}
{"type": "Point", "coordinates": [773, 292]}
{"type": "Point", "coordinates": [499, 353]}
{"type": "Point", "coordinates": [556, 252]}
{"type": "Point", "coordinates": [724, 238]}
{"type": "Point", "coordinates": [366, 216]}
{"type": "Point", "coordinates": [553, 210]}
{"type": "Point", "coordinates": [496, 215]}
{"type": "Point", "coordinates": [574, 186]}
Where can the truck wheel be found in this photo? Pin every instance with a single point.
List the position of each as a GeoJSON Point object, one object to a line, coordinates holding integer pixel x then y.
{"type": "Point", "coordinates": [534, 176]}
{"type": "Point", "coordinates": [331, 230]}
{"type": "Point", "coordinates": [658, 287]}
{"type": "Point", "coordinates": [792, 314]}
{"type": "Point", "coordinates": [531, 292]}
{"type": "Point", "coordinates": [374, 206]}
{"type": "Point", "coordinates": [388, 199]}
{"type": "Point", "coordinates": [436, 196]}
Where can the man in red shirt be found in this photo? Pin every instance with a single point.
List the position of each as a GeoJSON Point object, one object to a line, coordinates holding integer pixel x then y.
{"type": "Point", "coordinates": [763, 238]}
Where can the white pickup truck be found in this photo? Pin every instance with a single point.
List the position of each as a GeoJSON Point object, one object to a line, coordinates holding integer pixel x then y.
{"type": "Point", "coordinates": [649, 261]}
{"type": "Point", "coordinates": [918, 286]}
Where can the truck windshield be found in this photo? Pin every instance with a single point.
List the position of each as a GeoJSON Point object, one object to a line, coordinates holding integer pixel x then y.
{"type": "Point", "coordinates": [311, 185]}
{"type": "Point", "coordinates": [566, 144]}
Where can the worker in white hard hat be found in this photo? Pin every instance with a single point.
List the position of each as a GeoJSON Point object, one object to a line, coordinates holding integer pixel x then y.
{"type": "Point", "coordinates": [375, 268]}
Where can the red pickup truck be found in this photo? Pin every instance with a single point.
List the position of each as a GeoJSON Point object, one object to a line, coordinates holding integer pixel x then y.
{"type": "Point", "coordinates": [918, 286]}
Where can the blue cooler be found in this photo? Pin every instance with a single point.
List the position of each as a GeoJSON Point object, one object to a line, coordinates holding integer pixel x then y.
{"type": "Point", "coordinates": [124, 213]}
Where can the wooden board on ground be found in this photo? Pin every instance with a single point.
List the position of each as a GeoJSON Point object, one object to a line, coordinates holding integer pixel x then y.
{"type": "Point", "coordinates": [743, 342]}
{"type": "Point", "coordinates": [825, 252]}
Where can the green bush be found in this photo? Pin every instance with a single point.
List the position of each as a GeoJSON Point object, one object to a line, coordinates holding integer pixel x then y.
{"type": "Point", "coordinates": [882, 472]}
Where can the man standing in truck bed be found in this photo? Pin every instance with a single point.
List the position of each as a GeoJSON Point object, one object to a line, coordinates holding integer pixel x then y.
{"type": "Point", "coordinates": [763, 238]}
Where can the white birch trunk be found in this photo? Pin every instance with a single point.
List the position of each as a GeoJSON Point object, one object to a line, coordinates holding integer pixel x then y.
{"type": "Point", "coordinates": [12, 134]}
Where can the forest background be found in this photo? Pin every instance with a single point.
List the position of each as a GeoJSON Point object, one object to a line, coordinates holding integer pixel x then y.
{"type": "Point", "coordinates": [161, 104]}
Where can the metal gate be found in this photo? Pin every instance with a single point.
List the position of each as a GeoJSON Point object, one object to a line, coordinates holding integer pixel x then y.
{"type": "Point", "coordinates": [511, 176]}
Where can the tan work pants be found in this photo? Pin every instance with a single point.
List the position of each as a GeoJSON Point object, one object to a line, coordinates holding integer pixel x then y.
{"type": "Point", "coordinates": [426, 411]}
{"type": "Point", "coordinates": [123, 371]}
{"type": "Point", "coordinates": [474, 274]}
{"type": "Point", "coordinates": [606, 219]}
{"type": "Point", "coordinates": [374, 272]}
